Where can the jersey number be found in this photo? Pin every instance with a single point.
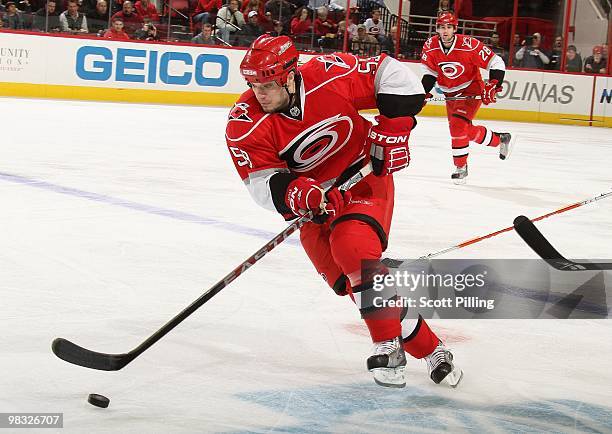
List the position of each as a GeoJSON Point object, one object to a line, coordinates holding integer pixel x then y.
{"type": "Point", "coordinates": [241, 157]}
{"type": "Point", "coordinates": [485, 52]}
{"type": "Point", "coordinates": [368, 66]}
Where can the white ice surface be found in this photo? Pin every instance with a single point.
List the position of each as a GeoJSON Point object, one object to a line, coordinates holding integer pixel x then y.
{"type": "Point", "coordinates": [115, 217]}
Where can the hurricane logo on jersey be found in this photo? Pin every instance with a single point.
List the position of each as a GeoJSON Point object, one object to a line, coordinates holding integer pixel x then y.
{"type": "Point", "coordinates": [468, 42]}
{"type": "Point", "coordinates": [451, 70]}
{"type": "Point", "coordinates": [319, 142]}
{"type": "Point", "coordinates": [240, 112]}
{"type": "Point", "coordinates": [332, 60]}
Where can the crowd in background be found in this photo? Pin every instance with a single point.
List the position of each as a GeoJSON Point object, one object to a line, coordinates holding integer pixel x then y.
{"type": "Point", "coordinates": [318, 25]}
{"type": "Point", "coordinates": [125, 20]}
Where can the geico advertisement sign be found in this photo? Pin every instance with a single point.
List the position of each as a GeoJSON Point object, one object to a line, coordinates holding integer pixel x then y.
{"type": "Point", "coordinates": [94, 63]}
{"type": "Point", "coordinates": [537, 92]}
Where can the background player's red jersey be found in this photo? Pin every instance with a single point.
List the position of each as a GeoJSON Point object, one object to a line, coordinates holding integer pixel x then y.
{"type": "Point", "coordinates": [460, 65]}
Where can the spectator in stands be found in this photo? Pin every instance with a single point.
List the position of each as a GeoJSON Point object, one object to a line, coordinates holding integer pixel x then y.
{"type": "Point", "coordinates": [573, 61]}
{"type": "Point", "coordinates": [445, 6]}
{"type": "Point", "coordinates": [495, 47]}
{"type": "Point", "coordinates": [1, 18]}
{"type": "Point", "coordinates": [97, 20]}
{"type": "Point", "coordinates": [301, 22]}
{"type": "Point", "coordinates": [596, 64]}
{"type": "Point", "coordinates": [375, 27]}
{"type": "Point", "coordinates": [47, 19]}
{"type": "Point", "coordinates": [229, 20]}
{"type": "Point", "coordinates": [205, 37]}
{"type": "Point", "coordinates": [251, 30]}
{"type": "Point", "coordinates": [277, 29]}
{"type": "Point", "coordinates": [132, 21]}
{"type": "Point", "coordinates": [265, 21]}
{"type": "Point", "coordinates": [12, 17]}
{"type": "Point", "coordinates": [146, 9]}
{"type": "Point", "coordinates": [281, 10]}
{"type": "Point", "coordinates": [323, 24]}
{"type": "Point", "coordinates": [555, 54]}
{"type": "Point", "coordinates": [531, 55]}
{"type": "Point", "coordinates": [116, 31]}
{"type": "Point", "coordinates": [204, 9]}
{"type": "Point", "coordinates": [73, 21]}
{"type": "Point", "coordinates": [148, 32]}
{"type": "Point", "coordinates": [516, 42]}
{"type": "Point", "coordinates": [352, 30]}
{"type": "Point", "coordinates": [389, 45]}
{"type": "Point", "coordinates": [363, 44]}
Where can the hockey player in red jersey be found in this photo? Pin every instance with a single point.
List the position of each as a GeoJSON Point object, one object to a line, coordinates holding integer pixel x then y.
{"type": "Point", "coordinates": [454, 61]}
{"type": "Point", "coordinates": [295, 135]}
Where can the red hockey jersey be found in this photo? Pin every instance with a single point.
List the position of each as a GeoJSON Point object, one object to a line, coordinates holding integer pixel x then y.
{"type": "Point", "coordinates": [460, 65]}
{"type": "Point", "coordinates": [322, 133]}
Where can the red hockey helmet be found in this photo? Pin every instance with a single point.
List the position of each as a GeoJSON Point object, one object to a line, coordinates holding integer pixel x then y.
{"type": "Point", "coordinates": [447, 18]}
{"type": "Point", "coordinates": [269, 58]}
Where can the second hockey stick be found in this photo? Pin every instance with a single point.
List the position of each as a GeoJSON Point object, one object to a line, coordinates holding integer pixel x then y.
{"type": "Point", "coordinates": [77, 355]}
{"type": "Point", "coordinates": [396, 262]}
{"type": "Point", "coordinates": [542, 247]}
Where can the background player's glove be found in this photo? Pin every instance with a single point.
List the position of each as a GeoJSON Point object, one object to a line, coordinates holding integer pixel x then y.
{"type": "Point", "coordinates": [389, 144]}
{"type": "Point", "coordinates": [490, 91]}
{"type": "Point", "coordinates": [304, 194]}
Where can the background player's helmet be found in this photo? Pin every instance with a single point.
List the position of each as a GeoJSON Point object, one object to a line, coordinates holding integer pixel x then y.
{"type": "Point", "coordinates": [447, 18]}
{"type": "Point", "coordinates": [269, 58]}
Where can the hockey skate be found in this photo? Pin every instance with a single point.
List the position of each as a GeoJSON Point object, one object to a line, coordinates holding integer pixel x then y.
{"type": "Point", "coordinates": [388, 363]}
{"type": "Point", "coordinates": [441, 367]}
{"type": "Point", "coordinates": [459, 175]}
{"type": "Point", "coordinates": [506, 144]}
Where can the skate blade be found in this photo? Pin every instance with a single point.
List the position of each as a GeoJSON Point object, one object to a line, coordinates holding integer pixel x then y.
{"type": "Point", "coordinates": [510, 147]}
{"type": "Point", "coordinates": [454, 377]}
{"type": "Point", "coordinates": [390, 377]}
{"type": "Point", "coordinates": [459, 181]}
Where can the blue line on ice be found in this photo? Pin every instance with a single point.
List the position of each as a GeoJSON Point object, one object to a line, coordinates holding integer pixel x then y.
{"type": "Point", "coordinates": [244, 230]}
{"type": "Point", "coordinates": [135, 206]}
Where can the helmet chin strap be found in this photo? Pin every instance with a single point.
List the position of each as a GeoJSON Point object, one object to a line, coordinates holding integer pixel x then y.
{"type": "Point", "coordinates": [289, 101]}
{"type": "Point", "coordinates": [291, 97]}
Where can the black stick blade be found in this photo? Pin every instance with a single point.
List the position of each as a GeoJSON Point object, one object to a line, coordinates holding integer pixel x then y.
{"type": "Point", "coordinates": [72, 353]}
{"type": "Point", "coordinates": [542, 247]}
{"type": "Point", "coordinates": [534, 239]}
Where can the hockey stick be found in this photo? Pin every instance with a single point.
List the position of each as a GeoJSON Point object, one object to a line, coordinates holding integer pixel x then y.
{"type": "Point", "coordinates": [542, 247]}
{"type": "Point", "coordinates": [72, 353]}
{"type": "Point", "coordinates": [452, 98]}
{"type": "Point", "coordinates": [396, 262]}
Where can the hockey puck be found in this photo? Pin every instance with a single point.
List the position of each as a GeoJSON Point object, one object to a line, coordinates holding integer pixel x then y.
{"type": "Point", "coordinates": [98, 400]}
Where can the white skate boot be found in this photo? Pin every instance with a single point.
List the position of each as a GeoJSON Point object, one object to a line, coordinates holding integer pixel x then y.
{"type": "Point", "coordinates": [506, 144]}
{"type": "Point", "coordinates": [459, 175]}
{"type": "Point", "coordinates": [388, 363]}
{"type": "Point", "coordinates": [441, 368]}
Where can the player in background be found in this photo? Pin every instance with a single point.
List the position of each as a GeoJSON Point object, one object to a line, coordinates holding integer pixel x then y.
{"type": "Point", "coordinates": [297, 133]}
{"type": "Point", "coordinates": [454, 61]}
